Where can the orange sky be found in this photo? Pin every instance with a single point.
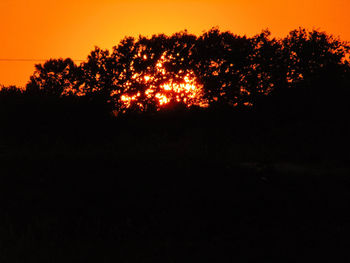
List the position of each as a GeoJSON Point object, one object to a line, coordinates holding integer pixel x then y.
{"type": "Point", "coordinates": [42, 29]}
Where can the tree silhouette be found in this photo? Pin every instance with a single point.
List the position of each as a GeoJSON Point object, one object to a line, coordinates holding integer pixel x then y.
{"type": "Point", "coordinates": [54, 78]}
{"type": "Point", "coordinates": [151, 70]}
{"type": "Point", "coordinates": [221, 60]}
{"type": "Point", "coordinates": [313, 66]}
{"type": "Point", "coordinates": [215, 68]}
{"type": "Point", "coordinates": [267, 69]}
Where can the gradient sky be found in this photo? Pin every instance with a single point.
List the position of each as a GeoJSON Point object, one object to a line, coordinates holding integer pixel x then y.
{"type": "Point", "coordinates": [42, 29]}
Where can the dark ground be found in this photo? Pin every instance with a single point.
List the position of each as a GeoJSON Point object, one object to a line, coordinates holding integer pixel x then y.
{"type": "Point", "coordinates": [175, 190]}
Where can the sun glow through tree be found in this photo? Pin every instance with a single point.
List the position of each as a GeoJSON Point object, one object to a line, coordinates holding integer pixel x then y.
{"type": "Point", "coordinates": [163, 89]}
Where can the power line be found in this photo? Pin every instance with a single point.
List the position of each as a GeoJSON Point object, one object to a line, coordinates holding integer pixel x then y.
{"type": "Point", "coordinates": [29, 60]}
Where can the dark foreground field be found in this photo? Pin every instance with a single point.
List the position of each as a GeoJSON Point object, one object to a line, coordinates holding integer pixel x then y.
{"type": "Point", "coordinates": [175, 192]}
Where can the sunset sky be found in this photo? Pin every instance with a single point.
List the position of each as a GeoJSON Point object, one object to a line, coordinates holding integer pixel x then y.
{"type": "Point", "coordinates": [41, 29]}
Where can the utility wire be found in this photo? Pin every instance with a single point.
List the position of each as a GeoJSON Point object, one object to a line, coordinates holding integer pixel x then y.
{"type": "Point", "coordinates": [28, 60]}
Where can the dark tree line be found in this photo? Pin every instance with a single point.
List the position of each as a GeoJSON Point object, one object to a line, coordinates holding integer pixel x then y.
{"type": "Point", "coordinates": [227, 69]}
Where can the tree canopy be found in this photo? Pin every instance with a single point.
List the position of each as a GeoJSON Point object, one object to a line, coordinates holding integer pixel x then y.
{"type": "Point", "coordinates": [148, 73]}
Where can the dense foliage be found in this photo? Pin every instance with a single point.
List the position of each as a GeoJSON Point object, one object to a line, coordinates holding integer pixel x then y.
{"type": "Point", "coordinates": [215, 68]}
